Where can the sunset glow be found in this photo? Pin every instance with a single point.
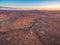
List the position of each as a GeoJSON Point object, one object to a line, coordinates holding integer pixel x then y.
{"type": "Point", "coordinates": [31, 4]}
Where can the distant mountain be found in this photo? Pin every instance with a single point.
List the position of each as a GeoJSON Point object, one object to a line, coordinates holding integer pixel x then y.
{"type": "Point", "coordinates": [4, 7]}
{"type": "Point", "coordinates": [7, 8]}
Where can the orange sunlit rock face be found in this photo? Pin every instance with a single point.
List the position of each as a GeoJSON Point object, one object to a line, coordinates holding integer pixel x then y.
{"type": "Point", "coordinates": [29, 27]}
{"type": "Point", "coordinates": [22, 22]}
{"type": "Point", "coordinates": [3, 16]}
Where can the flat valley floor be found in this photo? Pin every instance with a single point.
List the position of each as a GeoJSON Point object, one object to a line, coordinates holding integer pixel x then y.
{"type": "Point", "coordinates": [29, 27]}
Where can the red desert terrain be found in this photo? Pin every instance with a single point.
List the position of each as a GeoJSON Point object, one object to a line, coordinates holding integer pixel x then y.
{"type": "Point", "coordinates": [29, 27]}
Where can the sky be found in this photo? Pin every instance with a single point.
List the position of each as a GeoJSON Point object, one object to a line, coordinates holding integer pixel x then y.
{"type": "Point", "coordinates": [31, 4]}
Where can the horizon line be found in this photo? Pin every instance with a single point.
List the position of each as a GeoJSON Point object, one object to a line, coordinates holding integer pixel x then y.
{"type": "Point", "coordinates": [31, 8]}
